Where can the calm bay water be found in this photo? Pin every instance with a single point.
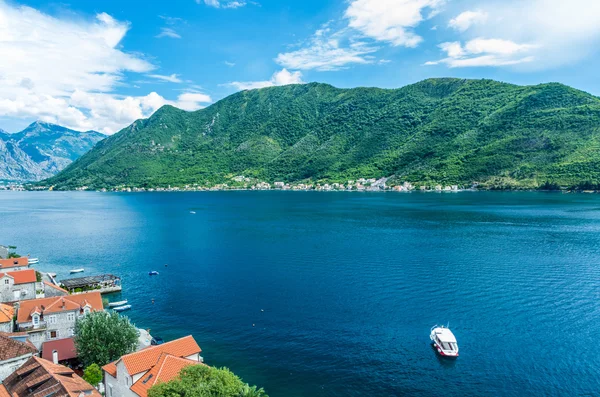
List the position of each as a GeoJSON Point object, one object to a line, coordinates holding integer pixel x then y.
{"type": "Point", "coordinates": [349, 283]}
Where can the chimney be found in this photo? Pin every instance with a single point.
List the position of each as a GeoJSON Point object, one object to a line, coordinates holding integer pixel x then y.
{"type": "Point", "coordinates": [54, 356]}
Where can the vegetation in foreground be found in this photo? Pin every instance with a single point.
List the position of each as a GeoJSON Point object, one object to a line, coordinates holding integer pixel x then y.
{"type": "Point", "coordinates": [205, 381]}
{"type": "Point", "coordinates": [102, 337]}
{"type": "Point", "coordinates": [438, 131]}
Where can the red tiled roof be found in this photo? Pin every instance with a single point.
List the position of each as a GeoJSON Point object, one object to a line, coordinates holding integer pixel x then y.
{"type": "Point", "coordinates": [59, 304]}
{"type": "Point", "coordinates": [11, 348]}
{"type": "Point", "coordinates": [166, 369]}
{"type": "Point", "coordinates": [21, 276]}
{"type": "Point", "coordinates": [64, 347]}
{"type": "Point", "coordinates": [39, 377]}
{"type": "Point", "coordinates": [49, 284]}
{"type": "Point", "coordinates": [14, 262]}
{"type": "Point", "coordinates": [3, 391]}
{"type": "Point", "coordinates": [145, 359]}
{"type": "Point", "coordinates": [7, 313]}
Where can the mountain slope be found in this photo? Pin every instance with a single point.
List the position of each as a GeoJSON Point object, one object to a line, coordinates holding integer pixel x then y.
{"type": "Point", "coordinates": [41, 150]}
{"type": "Point", "coordinates": [449, 131]}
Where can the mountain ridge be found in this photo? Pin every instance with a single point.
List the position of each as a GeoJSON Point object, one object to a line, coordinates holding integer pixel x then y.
{"type": "Point", "coordinates": [451, 131]}
{"type": "Point", "coordinates": [41, 150]}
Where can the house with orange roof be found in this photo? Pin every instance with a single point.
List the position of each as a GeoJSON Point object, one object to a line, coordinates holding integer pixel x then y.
{"type": "Point", "coordinates": [134, 374]}
{"type": "Point", "coordinates": [53, 318]}
{"type": "Point", "coordinates": [13, 353]}
{"type": "Point", "coordinates": [7, 312]}
{"type": "Point", "coordinates": [17, 285]}
{"type": "Point", "coordinates": [14, 263]}
{"type": "Point", "coordinates": [41, 378]}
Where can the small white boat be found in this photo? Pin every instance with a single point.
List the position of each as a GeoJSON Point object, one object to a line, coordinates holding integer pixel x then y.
{"type": "Point", "coordinates": [444, 341]}
{"type": "Point", "coordinates": [76, 271]}
{"type": "Point", "coordinates": [52, 274]}
{"type": "Point", "coordinates": [122, 308]}
{"type": "Point", "coordinates": [153, 273]}
{"type": "Point", "coordinates": [33, 261]}
{"type": "Point", "coordinates": [192, 212]}
{"type": "Point", "coordinates": [117, 304]}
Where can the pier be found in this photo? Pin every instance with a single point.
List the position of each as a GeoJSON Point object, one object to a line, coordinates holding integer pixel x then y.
{"type": "Point", "coordinates": [104, 283]}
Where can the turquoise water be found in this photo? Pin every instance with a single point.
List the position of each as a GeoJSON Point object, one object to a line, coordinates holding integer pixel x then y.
{"type": "Point", "coordinates": [333, 294]}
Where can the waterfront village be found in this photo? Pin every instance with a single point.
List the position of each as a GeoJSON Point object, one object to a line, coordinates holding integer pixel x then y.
{"type": "Point", "coordinates": [244, 183]}
{"type": "Point", "coordinates": [38, 354]}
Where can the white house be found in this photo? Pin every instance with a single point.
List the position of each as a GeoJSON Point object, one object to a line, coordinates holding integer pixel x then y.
{"type": "Point", "coordinates": [17, 285]}
{"type": "Point", "coordinates": [133, 374]}
{"type": "Point", "coordinates": [54, 318]}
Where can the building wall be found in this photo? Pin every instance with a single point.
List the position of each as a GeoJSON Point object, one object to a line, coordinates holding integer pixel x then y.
{"type": "Point", "coordinates": [7, 367]}
{"type": "Point", "coordinates": [6, 327]}
{"type": "Point", "coordinates": [7, 290]}
{"type": "Point", "coordinates": [3, 252]}
{"type": "Point", "coordinates": [61, 323]}
{"type": "Point", "coordinates": [50, 292]}
{"type": "Point", "coordinates": [120, 386]}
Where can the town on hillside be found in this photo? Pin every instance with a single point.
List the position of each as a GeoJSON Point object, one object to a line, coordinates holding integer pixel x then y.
{"type": "Point", "coordinates": [43, 348]}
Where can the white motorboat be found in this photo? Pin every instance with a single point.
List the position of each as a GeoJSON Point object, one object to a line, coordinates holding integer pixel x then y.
{"type": "Point", "coordinates": [117, 304]}
{"type": "Point", "coordinates": [122, 308]}
{"type": "Point", "coordinates": [444, 341]}
{"type": "Point", "coordinates": [33, 261]}
{"type": "Point", "coordinates": [76, 271]}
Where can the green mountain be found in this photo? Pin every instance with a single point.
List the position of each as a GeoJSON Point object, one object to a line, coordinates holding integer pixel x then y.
{"type": "Point", "coordinates": [448, 131]}
{"type": "Point", "coordinates": [41, 150]}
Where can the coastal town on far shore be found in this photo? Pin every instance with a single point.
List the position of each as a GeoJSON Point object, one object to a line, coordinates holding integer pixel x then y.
{"type": "Point", "coordinates": [246, 183]}
{"type": "Point", "coordinates": [38, 337]}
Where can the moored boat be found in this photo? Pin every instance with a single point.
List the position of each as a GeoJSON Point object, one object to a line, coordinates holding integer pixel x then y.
{"type": "Point", "coordinates": [117, 304]}
{"type": "Point", "coordinates": [122, 308]}
{"type": "Point", "coordinates": [76, 271]}
{"type": "Point", "coordinates": [33, 261]}
{"type": "Point", "coordinates": [153, 273]}
{"type": "Point", "coordinates": [444, 341]}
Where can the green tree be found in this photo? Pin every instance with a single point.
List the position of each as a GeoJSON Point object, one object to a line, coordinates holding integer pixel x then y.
{"type": "Point", "coordinates": [93, 374]}
{"type": "Point", "coordinates": [205, 381]}
{"type": "Point", "coordinates": [102, 337]}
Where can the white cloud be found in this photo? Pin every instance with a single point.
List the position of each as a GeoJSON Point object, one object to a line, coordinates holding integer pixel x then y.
{"type": "Point", "coordinates": [391, 21]}
{"type": "Point", "coordinates": [467, 19]}
{"type": "Point", "coordinates": [192, 101]}
{"type": "Point", "coordinates": [534, 34]}
{"type": "Point", "coordinates": [173, 78]}
{"type": "Point", "coordinates": [230, 64]}
{"type": "Point", "coordinates": [327, 51]}
{"type": "Point", "coordinates": [168, 32]}
{"type": "Point", "coordinates": [484, 52]}
{"type": "Point", "coordinates": [65, 71]}
{"type": "Point", "coordinates": [283, 77]}
{"type": "Point", "coordinates": [223, 4]}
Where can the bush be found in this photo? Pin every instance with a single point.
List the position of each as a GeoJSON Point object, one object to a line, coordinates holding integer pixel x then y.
{"type": "Point", "coordinates": [205, 381]}
{"type": "Point", "coordinates": [93, 374]}
{"type": "Point", "coordinates": [102, 337]}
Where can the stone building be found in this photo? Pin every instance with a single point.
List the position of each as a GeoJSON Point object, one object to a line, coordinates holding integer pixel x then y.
{"type": "Point", "coordinates": [3, 252]}
{"type": "Point", "coordinates": [17, 285]}
{"type": "Point", "coordinates": [54, 318]}
{"type": "Point", "coordinates": [14, 351]}
{"type": "Point", "coordinates": [133, 374]}
{"type": "Point", "coordinates": [7, 313]}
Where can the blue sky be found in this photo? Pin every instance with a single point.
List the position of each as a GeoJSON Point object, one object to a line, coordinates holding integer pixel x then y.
{"type": "Point", "coordinates": [102, 64]}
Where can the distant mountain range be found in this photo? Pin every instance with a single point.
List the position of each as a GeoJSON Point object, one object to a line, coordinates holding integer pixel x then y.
{"type": "Point", "coordinates": [446, 131]}
{"type": "Point", "coordinates": [41, 150]}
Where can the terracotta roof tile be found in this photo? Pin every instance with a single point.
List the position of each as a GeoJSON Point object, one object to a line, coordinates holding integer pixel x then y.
{"type": "Point", "coordinates": [3, 391]}
{"type": "Point", "coordinates": [14, 262]}
{"type": "Point", "coordinates": [144, 359]}
{"type": "Point", "coordinates": [166, 369]}
{"type": "Point", "coordinates": [111, 368]}
{"type": "Point", "coordinates": [12, 348]}
{"type": "Point", "coordinates": [55, 304]}
{"type": "Point", "coordinates": [39, 378]}
{"type": "Point", "coordinates": [21, 276]}
{"type": "Point", "coordinates": [7, 313]}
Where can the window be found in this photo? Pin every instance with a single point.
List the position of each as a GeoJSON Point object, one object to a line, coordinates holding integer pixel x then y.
{"type": "Point", "coordinates": [36, 320]}
{"type": "Point", "coordinates": [52, 334]}
{"type": "Point", "coordinates": [51, 319]}
{"type": "Point", "coordinates": [71, 316]}
{"type": "Point", "coordinates": [110, 390]}
{"type": "Point", "coordinates": [6, 281]}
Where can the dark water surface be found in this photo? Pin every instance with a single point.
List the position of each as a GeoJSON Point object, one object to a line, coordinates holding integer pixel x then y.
{"type": "Point", "coordinates": [349, 283]}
